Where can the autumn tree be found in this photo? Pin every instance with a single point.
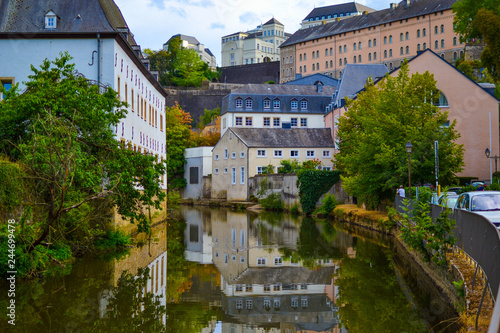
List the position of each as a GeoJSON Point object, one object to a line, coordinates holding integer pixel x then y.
{"type": "Point", "coordinates": [60, 129]}
{"type": "Point", "coordinates": [378, 124]}
{"type": "Point", "coordinates": [178, 131]}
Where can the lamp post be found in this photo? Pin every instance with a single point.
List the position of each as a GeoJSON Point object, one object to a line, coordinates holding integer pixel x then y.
{"type": "Point", "coordinates": [487, 153]}
{"type": "Point", "coordinates": [409, 148]}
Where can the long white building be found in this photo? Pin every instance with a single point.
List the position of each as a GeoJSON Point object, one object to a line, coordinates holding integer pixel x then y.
{"type": "Point", "coordinates": [96, 35]}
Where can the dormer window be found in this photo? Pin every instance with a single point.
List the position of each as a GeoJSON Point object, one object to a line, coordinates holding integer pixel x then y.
{"type": "Point", "coordinates": [50, 20]}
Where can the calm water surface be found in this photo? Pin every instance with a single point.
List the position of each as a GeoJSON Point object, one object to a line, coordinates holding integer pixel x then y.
{"type": "Point", "coordinates": [225, 271]}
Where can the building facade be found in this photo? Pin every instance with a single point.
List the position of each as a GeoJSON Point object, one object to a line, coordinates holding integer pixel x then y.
{"type": "Point", "coordinates": [244, 152]}
{"type": "Point", "coordinates": [472, 107]}
{"type": "Point", "coordinates": [190, 42]}
{"type": "Point", "coordinates": [96, 35]}
{"type": "Point", "coordinates": [382, 37]}
{"type": "Point", "coordinates": [255, 46]}
{"type": "Point", "coordinates": [276, 106]}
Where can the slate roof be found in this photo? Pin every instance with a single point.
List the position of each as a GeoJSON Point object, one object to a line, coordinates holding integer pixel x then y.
{"type": "Point", "coordinates": [190, 39]}
{"type": "Point", "coordinates": [207, 50]}
{"type": "Point", "coordinates": [416, 8]}
{"type": "Point", "coordinates": [253, 73]}
{"type": "Point", "coordinates": [284, 138]}
{"type": "Point", "coordinates": [316, 101]}
{"type": "Point", "coordinates": [354, 79]}
{"type": "Point", "coordinates": [326, 80]}
{"type": "Point", "coordinates": [292, 275]}
{"type": "Point", "coordinates": [343, 8]}
{"type": "Point", "coordinates": [272, 21]}
{"type": "Point", "coordinates": [28, 16]}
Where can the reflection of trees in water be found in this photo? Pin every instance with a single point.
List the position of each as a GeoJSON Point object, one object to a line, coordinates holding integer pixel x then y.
{"type": "Point", "coordinates": [129, 309]}
{"type": "Point", "coordinates": [370, 298]}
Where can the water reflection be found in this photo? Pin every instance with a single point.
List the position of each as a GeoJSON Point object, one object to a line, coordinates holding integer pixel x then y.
{"type": "Point", "coordinates": [284, 274]}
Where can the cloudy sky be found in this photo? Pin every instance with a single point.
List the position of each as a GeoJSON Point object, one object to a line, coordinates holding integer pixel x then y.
{"type": "Point", "coordinates": [153, 22]}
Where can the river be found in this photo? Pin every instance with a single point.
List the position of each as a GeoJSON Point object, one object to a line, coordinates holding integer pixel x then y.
{"type": "Point", "coordinates": [224, 271]}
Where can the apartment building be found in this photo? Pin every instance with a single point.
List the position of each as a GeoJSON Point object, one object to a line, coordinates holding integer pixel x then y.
{"type": "Point", "coordinates": [382, 37]}
{"type": "Point", "coordinates": [254, 46]}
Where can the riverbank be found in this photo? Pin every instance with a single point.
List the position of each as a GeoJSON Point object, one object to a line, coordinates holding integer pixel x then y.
{"type": "Point", "coordinates": [460, 269]}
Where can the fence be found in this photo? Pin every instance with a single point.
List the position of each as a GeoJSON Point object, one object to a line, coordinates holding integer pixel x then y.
{"type": "Point", "coordinates": [480, 240]}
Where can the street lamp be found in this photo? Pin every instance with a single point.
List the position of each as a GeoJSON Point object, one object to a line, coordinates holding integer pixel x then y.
{"type": "Point", "coordinates": [487, 153]}
{"type": "Point", "coordinates": [409, 148]}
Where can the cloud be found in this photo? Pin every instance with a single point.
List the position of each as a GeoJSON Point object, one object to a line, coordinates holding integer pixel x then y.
{"type": "Point", "coordinates": [250, 18]}
{"type": "Point", "coordinates": [178, 11]}
{"type": "Point", "coordinates": [197, 3]}
{"type": "Point", "coordinates": [217, 26]}
{"type": "Point", "coordinates": [160, 4]}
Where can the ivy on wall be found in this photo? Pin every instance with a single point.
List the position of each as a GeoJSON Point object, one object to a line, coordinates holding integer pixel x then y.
{"type": "Point", "coordinates": [312, 185]}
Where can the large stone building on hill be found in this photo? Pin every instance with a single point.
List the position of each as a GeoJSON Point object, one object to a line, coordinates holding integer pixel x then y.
{"type": "Point", "coordinates": [190, 42]}
{"type": "Point", "coordinates": [382, 37]}
{"type": "Point", "coordinates": [254, 46]}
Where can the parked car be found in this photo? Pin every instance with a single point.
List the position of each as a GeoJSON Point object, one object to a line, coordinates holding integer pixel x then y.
{"type": "Point", "coordinates": [485, 203]}
{"type": "Point", "coordinates": [477, 183]}
{"type": "Point", "coordinates": [448, 200]}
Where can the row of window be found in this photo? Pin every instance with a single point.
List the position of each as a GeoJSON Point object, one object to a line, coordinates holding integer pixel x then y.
{"type": "Point", "coordinates": [233, 174]}
{"type": "Point", "coordinates": [294, 153]}
{"type": "Point", "coordinates": [276, 304]}
{"type": "Point", "coordinates": [294, 104]}
{"type": "Point", "coordinates": [267, 287]}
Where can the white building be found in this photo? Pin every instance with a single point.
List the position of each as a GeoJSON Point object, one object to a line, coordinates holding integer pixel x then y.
{"type": "Point", "coordinates": [96, 35]}
{"type": "Point", "coordinates": [254, 46]}
{"type": "Point", "coordinates": [198, 164]}
{"type": "Point", "coordinates": [190, 42]}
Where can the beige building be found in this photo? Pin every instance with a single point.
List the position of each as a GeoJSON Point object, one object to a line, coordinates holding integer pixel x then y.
{"type": "Point", "coordinates": [471, 106]}
{"type": "Point", "coordinates": [382, 37]}
{"type": "Point", "coordinates": [254, 46]}
{"type": "Point", "coordinates": [333, 13]}
{"type": "Point", "coordinates": [244, 152]}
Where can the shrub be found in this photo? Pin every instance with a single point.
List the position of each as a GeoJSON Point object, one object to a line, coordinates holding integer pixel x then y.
{"type": "Point", "coordinates": [328, 204]}
{"type": "Point", "coordinates": [294, 210]}
{"type": "Point", "coordinates": [173, 199]}
{"type": "Point", "coordinates": [272, 202]}
{"type": "Point", "coordinates": [312, 184]}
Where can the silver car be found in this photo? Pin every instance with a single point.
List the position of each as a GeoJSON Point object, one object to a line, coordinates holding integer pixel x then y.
{"type": "Point", "coordinates": [485, 203]}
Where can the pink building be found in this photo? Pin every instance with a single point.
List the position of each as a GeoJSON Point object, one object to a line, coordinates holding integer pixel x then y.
{"type": "Point", "coordinates": [475, 110]}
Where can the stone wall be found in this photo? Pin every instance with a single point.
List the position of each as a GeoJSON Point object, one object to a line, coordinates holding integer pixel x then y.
{"type": "Point", "coordinates": [206, 189]}
{"type": "Point", "coordinates": [286, 185]}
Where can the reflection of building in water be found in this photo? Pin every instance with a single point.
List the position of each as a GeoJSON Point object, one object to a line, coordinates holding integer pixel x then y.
{"type": "Point", "coordinates": [152, 255]}
{"type": "Point", "coordinates": [197, 235]}
{"type": "Point", "coordinates": [262, 288]}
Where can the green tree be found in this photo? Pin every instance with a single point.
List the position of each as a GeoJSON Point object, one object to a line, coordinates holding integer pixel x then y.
{"type": "Point", "coordinates": [480, 19]}
{"type": "Point", "coordinates": [61, 130]}
{"type": "Point", "coordinates": [207, 117]}
{"type": "Point", "coordinates": [377, 126]}
{"type": "Point", "coordinates": [188, 69]}
{"type": "Point", "coordinates": [178, 130]}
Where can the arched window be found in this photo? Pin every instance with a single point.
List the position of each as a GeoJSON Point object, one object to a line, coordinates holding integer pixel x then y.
{"type": "Point", "coordinates": [300, 69]}
{"type": "Point", "coordinates": [313, 54]}
{"type": "Point", "coordinates": [407, 50]}
{"type": "Point", "coordinates": [424, 32]}
{"type": "Point", "coordinates": [340, 62]}
{"type": "Point", "coordinates": [442, 43]}
{"type": "Point", "coordinates": [455, 55]}
{"type": "Point", "coordinates": [374, 55]}
{"type": "Point", "coordinates": [454, 41]}
{"type": "Point", "coordinates": [326, 64]}
{"type": "Point", "coordinates": [345, 48]}
{"type": "Point", "coordinates": [442, 101]}
{"type": "Point", "coordinates": [340, 49]}
{"type": "Point", "coordinates": [401, 51]}
{"type": "Point", "coordinates": [418, 33]}
{"type": "Point", "coordinates": [436, 45]}
{"type": "Point", "coordinates": [390, 53]}
{"type": "Point", "coordinates": [359, 58]}
{"type": "Point", "coordinates": [345, 61]}
{"type": "Point", "coordinates": [317, 54]}
{"type": "Point", "coordinates": [390, 39]}
{"type": "Point", "coordinates": [436, 30]}
{"type": "Point", "coordinates": [314, 67]}
{"type": "Point", "coordinates": [331, 51]}
{"type": "Point", "coordinates": [317, 66]}
{"type": "Point", "coordinates": [401, 37]}
{"type": "Point", "coordinates": [374, 41]}
{"type": "Point", "coordinates": [331, 63]}
{"type": "Point", "coordinates": [326, 52]}
{"type": "Point", "coordinates": [300, 57]}
{"type": "Point", "coordinates": [424, 46]}
{"type": "Point", "coordinates": [370, 43]}
{"type": "Point", "coordinates": [385, 40]}
{"type": "Point", "coordinates": [385, 53]}
{"type": "Point", "coordinates": [407, 35]}
{"type": "Point", "coordinates": [442, 28]}
{"type": "Point", "coordinates": [369, 57]}
{"type": "Point", "coordinates": [354, 59]}
{"type": "Point", "coordinates": [359, 46]}
{"type": "Point", "coordinates": [354, 46]}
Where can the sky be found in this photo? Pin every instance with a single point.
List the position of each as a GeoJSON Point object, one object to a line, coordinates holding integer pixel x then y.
{"type": "Point", "coordinates": [153, 22]}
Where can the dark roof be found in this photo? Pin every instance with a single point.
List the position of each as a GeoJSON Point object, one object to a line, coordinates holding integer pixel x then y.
{"type": "Point", "coordinates": [416, 8]}
{"type": "Point", "coordinates": [190, 39]}
{"type": "Point", "coordinates": [207, 50]}
{"type": "Point", "coordinates": [312, 79]}
{"type": "Point", "coordinates": [253, 73]}
{"type": "Point", "coordinates": [272, 21]}
{"type": "Point", "coordinates": [286, 274]}
{"type": "Point", "coordinates": [285, 138]}
{"type": "Point", "coordinates": [343, 8]}
{"type": "Point", "coordinates": [96, 16]}
{"type": "Point", "coordinates": [354, 79]}
{"type": "Point", "coordinates": [317, 101]}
